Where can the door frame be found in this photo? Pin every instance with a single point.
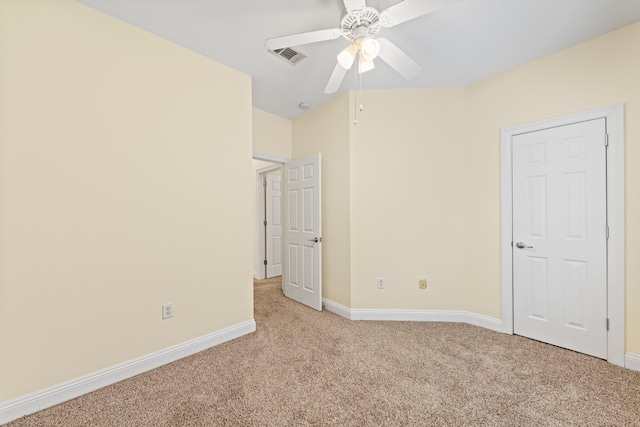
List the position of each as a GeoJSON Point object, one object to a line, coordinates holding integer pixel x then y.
{"type": "Point", "coordinates": [260, 207]}
{"type": "Point", "coordinates": [278, 162]}
{"type": "Point", "coordinates": [614, 116]}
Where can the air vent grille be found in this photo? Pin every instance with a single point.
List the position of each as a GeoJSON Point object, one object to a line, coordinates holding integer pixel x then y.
{"type": "Point", "coordinates": [289, 55]}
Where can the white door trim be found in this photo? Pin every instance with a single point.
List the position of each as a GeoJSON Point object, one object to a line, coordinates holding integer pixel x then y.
{"type": "Point", "coordinates": [259, 273]}
{"type": "Point", "coordinates": [269, 158]}
{"type": "Point", "coordinates": [614, 116]}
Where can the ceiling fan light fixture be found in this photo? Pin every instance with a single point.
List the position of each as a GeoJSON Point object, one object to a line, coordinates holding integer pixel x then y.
{"type": "Point", "coordinates": [360, 25]}
{"type": "Point", "coordinates": [369, 48]}
{"type": "Point", "coordinates": [347, 56]}
{"type": "Point", "coordinates": [365, 65]}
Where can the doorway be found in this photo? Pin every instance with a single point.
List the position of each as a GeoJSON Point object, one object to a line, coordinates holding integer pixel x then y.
{"type": "Point", "coordinates": [294, 202]}
{"type": "Point", "coordinates": [522, 301]}
{"type": "Point", "coordinates": [268, 249]}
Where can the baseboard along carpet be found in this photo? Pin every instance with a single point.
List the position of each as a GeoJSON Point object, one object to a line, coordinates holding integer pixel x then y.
{"type": "Point", "coordinates": [307, 368]}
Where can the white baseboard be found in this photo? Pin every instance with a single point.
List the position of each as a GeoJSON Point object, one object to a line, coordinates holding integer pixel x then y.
{"type": "Point", "coordinates": [336, 308]}
{"type": "Point", "coordinates": [414, 315]}
{"type": "Point", "coordinates": [484, 321]}
{"type": "Point", "coordinates": [33, 402]}
{"type": "Point", "coordinates": [632, 361]}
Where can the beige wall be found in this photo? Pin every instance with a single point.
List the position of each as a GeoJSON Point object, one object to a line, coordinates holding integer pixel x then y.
{"type": "Point", "coordinates": [116, 153]}
{"type": "Point", "coordinates": [325, 130]}
{"type": "Point", "coordinates": [271, 134]}
{"type": "Point", "coordinates": [600, 72]}
{"type": "Point", "coordinates": [407, 209]}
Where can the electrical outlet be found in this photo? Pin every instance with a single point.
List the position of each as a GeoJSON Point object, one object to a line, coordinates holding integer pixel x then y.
{"type": "Point", "coordinates": [167, 311]}
{"type": "Point", "coordinates": [380, 282]}
{"type": "Point", "coordinates": [422, 283]}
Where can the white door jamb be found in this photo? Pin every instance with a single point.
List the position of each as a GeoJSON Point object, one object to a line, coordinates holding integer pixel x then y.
{"type": "Point", "coordinates": [269, 158]}
{"type": "Point", "coordinates": [614, 116]}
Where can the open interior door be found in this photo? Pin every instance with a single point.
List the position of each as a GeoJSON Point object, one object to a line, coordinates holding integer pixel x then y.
{"type": "Point", "coordinates": [302, 275]}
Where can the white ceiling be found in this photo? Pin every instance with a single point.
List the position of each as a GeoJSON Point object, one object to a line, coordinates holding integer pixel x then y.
{"type": "Point", "coordinates": [456, 45]}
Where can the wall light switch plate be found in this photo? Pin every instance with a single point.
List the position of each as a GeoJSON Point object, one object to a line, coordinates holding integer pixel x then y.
{"type": "Point", "coordinates": [422, 284]}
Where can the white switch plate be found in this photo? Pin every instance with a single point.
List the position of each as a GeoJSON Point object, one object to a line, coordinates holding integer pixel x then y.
{"type": "Point", "coordinates": [380, 282]}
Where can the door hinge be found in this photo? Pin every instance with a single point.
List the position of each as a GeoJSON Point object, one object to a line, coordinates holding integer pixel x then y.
{"type": "Point", "coordinates": [265, 262]}
{"type": "Point", "coordinates": [607, 324]}
{"type": "Point", "coordinates": [264, 223]}
{"type": "Point", "coordinates": [607, 231]}
{"type": "Point", "coordinates": [606, 139]}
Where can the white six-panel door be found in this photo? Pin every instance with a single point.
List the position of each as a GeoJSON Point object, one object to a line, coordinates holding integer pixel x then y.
{"type": "Point", "coordinates": [274, 226]}
{"type": "Point", "coordinates": [302, 275]}
{"type": "Point", "coordinates": [559, 236]}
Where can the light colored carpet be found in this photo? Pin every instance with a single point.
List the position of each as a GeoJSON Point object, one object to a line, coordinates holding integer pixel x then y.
{"type": "Point", "coordinates": [304, 367]}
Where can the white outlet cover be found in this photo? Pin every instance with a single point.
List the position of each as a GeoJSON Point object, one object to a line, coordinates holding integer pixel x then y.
{"type": "Point", "coordinates": [167, 311]}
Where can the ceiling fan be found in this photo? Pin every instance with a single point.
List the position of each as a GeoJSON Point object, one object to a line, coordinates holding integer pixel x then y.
{"type": "Point", "coordinates": [359, 25]}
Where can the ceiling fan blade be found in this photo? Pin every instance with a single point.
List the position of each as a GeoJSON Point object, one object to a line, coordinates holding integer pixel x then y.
{"type": "Point", "coordinates": [336, 79]}
{"type": "Point", "coordinates": [354, 5]}
{"type": "Point", "coordinates": [302, 38]}
{"type": "Point", "coordinates": [397, 59]}
{"type": "Point", "coordinates": [410, 9]}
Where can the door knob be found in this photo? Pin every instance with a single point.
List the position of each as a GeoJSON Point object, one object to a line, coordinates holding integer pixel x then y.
{"type": "Point", "coordinates": [521, 245]}
{"type": "Point", "coordinates": [315, 240]}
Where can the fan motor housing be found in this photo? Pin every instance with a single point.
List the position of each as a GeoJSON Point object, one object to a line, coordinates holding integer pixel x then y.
{"type": "Point", "coordinates": [363, 23]}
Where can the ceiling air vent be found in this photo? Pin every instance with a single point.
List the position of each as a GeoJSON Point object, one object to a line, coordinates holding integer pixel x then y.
{"type": "Point", "coordinates": [289, 55]}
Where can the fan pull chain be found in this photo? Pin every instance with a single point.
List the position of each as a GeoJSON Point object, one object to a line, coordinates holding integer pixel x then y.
{"type": "Point", "coordinates": [361, 95]}
{"type": "Point", "coordinates": [358, 77]}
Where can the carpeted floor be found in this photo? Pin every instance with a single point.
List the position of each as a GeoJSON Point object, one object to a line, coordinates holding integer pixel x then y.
{"type": "Point", "coordinates": [303, 367]}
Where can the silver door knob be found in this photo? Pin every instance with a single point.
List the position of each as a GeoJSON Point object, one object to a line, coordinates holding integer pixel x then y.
{"type": "Point", "coordinates": [315, 240]}
{"type": "Point", "coordinates": [521, 245]}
